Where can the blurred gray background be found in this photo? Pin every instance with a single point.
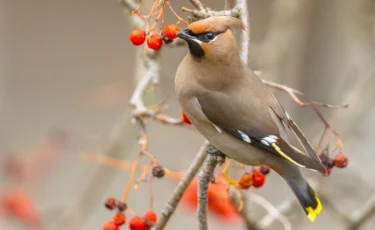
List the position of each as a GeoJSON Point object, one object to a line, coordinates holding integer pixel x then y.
{"type": "Point", "coordinates": [69, 64]}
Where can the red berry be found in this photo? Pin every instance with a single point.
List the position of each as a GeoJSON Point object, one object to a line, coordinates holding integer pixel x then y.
{"type": "Point", "coordinates": [110, 203]}
{"type": "Point", "coordinates": [258, 179]}
{"type": "Point", "coordinates": [110, 225]}
{"type": "Point", "coordinates": [119, 218]}
{"type": "Point", "coordinates": [245, 181]}
{"type": "Point", "coordinates": [171, 31]}
{"type": "Point", "coordinates": [184, 118]}
{"type": "Point", "coordinates": [341, 161]}
{"type": "Point", "coordinates": [150, 217]}
{"type": "Point", "coordinates": [154, 41]}
{"type": "Point", "coordinates": [137, 223]}
{"type": "Point", "coordinates": [137, 37]}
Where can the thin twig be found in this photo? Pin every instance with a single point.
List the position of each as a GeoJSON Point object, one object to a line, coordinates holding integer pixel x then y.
{"type": "Point", "coordinates": [201, 14]}
{"type": "Point", "coordinates": [361, 215]}
{"type": "Point", "coordinates": [176, 195]}
{"type": "Point", "coordinates": [197, 4]}
{"type": "Point", "coordinates": [229, 4]}
{"type": "Point", "coordinates": [272, 210]}
{"type": "Point", "coordinates": [206, 175]}
{"type": "Point", "coordinates": [284, 207]}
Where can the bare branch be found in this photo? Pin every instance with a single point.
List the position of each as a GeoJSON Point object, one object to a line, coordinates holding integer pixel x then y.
{"type": "Point", "coordinates": [272, 210]}
{"type": "Point", "coordinates": [245, 35]}
{"type": "Point", "coordinates": [359, 216]}
{"type": "Point", "coordinates": [197, 4]}
{"type": "Point", "coordinates": [176, 195]}
{"type": "Point", "coordinates": [206, 175]}
{"type": "Point", "coordinates": [200, 14]}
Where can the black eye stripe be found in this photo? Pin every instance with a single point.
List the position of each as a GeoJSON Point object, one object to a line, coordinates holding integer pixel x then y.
{"type": "Point", "coordinates": [206, 36]}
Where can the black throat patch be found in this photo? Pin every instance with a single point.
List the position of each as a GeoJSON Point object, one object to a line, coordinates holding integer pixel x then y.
{"type": "Point", "coordinates": [195, 49]}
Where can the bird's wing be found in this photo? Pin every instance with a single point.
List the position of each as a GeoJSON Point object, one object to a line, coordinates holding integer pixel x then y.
{"type": "Point", "coordinates": [253, 122]}
{"type": "Point", "coordinates": [282, 119]}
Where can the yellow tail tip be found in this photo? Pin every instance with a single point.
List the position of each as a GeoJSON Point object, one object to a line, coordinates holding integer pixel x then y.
{"type": "Point", "coordinates": [313, 212]}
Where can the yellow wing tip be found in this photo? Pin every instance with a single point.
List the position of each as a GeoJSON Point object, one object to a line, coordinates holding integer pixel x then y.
{"type": "Point", "coordinates": [311, 212]}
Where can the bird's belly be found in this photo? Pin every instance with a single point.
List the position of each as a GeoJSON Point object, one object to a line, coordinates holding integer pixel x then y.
{"type": "Point", "coordinates": [234, 148]}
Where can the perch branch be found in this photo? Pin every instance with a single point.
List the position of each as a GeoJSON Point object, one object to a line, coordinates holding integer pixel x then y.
{"type": "Point", "coordinates": [245, 35]}
{"type": "Point", "coordinates": [176, 195]}
{"type": "Point", "coordinates": [206, 175]}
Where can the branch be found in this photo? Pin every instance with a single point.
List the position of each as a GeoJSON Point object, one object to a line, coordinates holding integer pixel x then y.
{"type": "Point", "coordinates": [271, 210]}
{"type": "Point", "coordinates": [239, 200]}
{"type": "Point", "coordinates": [245, 35]}
{"type": "Point", "coordinates": [201, 14]}
{"type": "Point", "coordinates": [197, 4]}
{"type": "Point", "coordinates": [359, 216]}
{"type": "Point", "coordinates": [176, 196]}
{"type": "Point", "coordinates": [206, 175]}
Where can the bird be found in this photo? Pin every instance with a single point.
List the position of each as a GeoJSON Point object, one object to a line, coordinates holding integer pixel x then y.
{"type": "Point", "coordinates": [236, 112]}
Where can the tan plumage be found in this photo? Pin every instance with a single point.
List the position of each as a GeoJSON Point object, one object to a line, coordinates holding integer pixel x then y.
{"type": "Point", "coordinates": [236, 112]}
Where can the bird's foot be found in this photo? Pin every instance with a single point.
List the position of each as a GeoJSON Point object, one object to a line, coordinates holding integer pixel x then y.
{"type": "Point", "coordinates": [226, 176]}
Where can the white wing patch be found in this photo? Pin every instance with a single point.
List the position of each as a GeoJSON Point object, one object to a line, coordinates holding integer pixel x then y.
{"type": "Point", "coordinates": [271, 139]}
{"type": "Point", "coordinates": [244, 136]}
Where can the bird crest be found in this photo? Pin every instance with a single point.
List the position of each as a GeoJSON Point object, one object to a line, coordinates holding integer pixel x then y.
{"type": "Point", "coordinates": [216, 24]}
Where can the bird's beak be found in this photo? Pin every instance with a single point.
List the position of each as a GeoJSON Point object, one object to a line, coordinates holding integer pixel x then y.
{"type": "Point", "coordinates": [185, 34]}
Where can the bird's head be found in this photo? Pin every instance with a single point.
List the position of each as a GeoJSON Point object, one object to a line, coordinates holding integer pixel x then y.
{"type": "Point", "coordinates": [212, 38]}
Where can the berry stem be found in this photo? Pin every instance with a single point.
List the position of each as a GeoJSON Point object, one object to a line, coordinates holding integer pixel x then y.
{"type": "Point", "coordinates": [131, 178]}
{"type": "Point", "coordinates": [175, 14]}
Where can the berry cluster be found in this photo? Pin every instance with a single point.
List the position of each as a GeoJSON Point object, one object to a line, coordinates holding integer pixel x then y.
{"type": "Point", "coordinates": [135, 223]}
{"type": "Point", "coordinates": [154, 41]}
{"type": "Point", "coordinates": [255, 179]}
{"type": "Point", "coordinates": [340, 161]}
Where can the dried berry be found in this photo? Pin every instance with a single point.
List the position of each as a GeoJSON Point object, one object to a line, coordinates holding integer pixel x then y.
{"type": "Point", "coordinates": [184, 118]}
{"type": "Point", "coordinates": [122, 206]}
{"type": "Point", "coordinates": [324, 158]}
{"type": "Point", "coordinates": [264, 169]}
{"type": "Point", "coordinates": [330, 163]}
{"type": "Point", "coordinates": [150, 218]}
{"type": "Point", "coordinates": [341, 161]}
{"type": "Point", "coordinates": [171, 31]}
{"type": "Point", "coordinates": [165, 38]}
{"type": "Point", "coordinates": [119, 219]}
{"type": "Point", "coordinates": [245, 181]}
{"type": "Point", "coordinates": [154, 42]}
{"type": "Point", "coordinates": [158, 171]}
{"type": "Point", "coordinates": [110, 203]}
{"type": "Point", "coordinates": [137, 223]}
{"type": "Point", "coordinates": [137, 37]}
{"type": "Point", "coordinates": [258, 179]}
{"type": "Point", "coordinates": [110, 225]}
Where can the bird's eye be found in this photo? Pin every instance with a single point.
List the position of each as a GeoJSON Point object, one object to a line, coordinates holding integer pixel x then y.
{"type": "Point", "coordinates": [210, 36]}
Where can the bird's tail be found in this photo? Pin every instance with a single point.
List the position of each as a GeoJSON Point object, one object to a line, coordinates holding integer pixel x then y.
{"type": "Point", "coordinates": [306, 196]}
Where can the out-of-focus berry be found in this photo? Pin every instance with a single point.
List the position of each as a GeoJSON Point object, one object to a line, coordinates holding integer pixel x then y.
{"type": "Point", "coordinates": [150, 217]}
{"type": "Point", "coordinates": [110, 203]}
{"type": "Point", "coordinates": [341, 161]}
{"type": "Point", "coordinates": [110, 225]}
{"type": "Point", "coordinates": [245, 181]}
